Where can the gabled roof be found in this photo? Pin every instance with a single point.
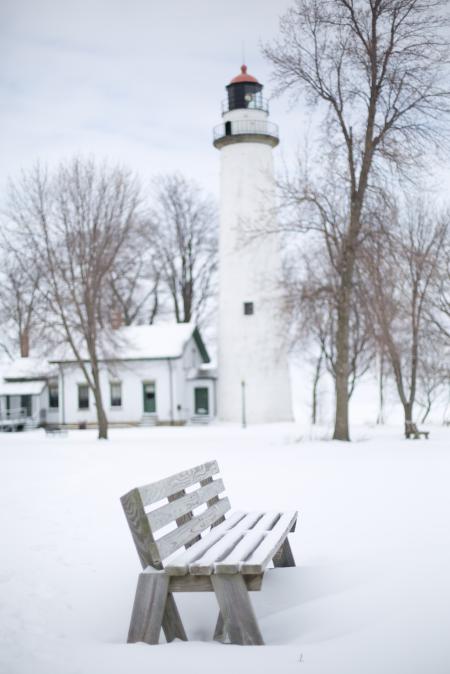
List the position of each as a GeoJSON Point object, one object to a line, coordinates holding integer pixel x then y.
{"type": "Point", "coordinates": [146, 342]}
{"type": "Point", "coordinates": [23, 369]}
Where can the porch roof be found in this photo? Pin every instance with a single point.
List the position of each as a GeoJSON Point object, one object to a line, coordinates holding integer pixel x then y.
{"type": "Point", "coordinates": [205, 371]}
{"type": "Point", "coordinates": [24, 388]}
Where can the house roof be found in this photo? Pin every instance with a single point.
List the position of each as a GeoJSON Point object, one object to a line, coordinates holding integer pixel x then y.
{"type": "Point", "coordinates": [17, 388]}
{"type": "Point", "coordinates": [28, 369]}
{"type": "Point", "coordinates": [142, 342]}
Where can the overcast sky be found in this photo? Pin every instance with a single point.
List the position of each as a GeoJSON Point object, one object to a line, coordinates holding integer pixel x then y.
{"type": "Point", "coordinates": [139, 81]}
{"type": "Point", "coordinates": [135, 81]}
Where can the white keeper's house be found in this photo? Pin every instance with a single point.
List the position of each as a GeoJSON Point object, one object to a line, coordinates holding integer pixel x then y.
{"type": "Point", "coordinates": [160, 374]}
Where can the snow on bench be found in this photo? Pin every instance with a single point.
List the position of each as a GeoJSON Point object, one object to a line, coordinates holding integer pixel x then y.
{"type": "Point", "coordinates": [204, 551]}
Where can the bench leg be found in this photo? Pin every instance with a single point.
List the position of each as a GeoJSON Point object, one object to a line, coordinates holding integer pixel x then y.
{"type": "Point", "coordinates": [150, 607]}
{"type": "Point", "coordinates": [284, 556]}
{"type": "Point", "coordinates": [236, 610]}
{"type": "Point", "coordinates": [172, 623]}
{"type": "Point", "coordinates": [219, 632]}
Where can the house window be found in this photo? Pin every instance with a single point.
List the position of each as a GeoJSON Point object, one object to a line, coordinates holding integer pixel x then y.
{"type": "Point", "coordinates": [149, 391]}
{"type": "Point", "coordinates": [116, 394]}
{"type": "Point", "coordinates": [53, 394]}
{"type": "Point", "coordinates": [248, 308]}
{"type": "Point", "coordinates": [83, 397]}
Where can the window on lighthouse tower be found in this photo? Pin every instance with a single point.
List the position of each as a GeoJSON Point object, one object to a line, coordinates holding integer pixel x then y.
{"type": "Point", "coordinates": [248, 308]}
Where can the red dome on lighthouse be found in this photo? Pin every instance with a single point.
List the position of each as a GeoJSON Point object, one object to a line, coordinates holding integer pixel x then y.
{"type": "Point", "coordinates": [244, 77]}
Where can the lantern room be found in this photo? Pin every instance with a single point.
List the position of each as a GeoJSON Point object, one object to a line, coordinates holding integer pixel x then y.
{"type": "Point", "coordinates": [244, 91]}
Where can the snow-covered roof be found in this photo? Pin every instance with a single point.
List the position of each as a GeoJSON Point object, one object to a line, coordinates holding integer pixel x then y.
{"type": "Point", "coordinates": [28, 368]}
{"type": "Point", "coordinates": [21, 388]}
{"type": "Point", "coordinates": [139, 342]}
{"type": "Point", "coordinates": [205, 371]}
{"type": "Point", "coordinates": [154, 341]}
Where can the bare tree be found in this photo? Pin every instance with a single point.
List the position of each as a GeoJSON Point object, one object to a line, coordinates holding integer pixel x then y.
{"type": "Point", "coordinates": [78, 219]}
{"type": "Point", "coordinates": [401, 264]}
{"type": "Point", "coordinates": [381, 381]}
{"type": "Point", "coordinates": [377, 68]}
{"type": "Point", "coordinates": [134, 282]}
{"type": "Point", "coordinates": [318, 366]}
{"type": "Point", "coordinates": [436, 366]}
{"type": "Point", "coordinates": [19, 281]}
{"type": "Point", "coordinates": [311, 300]}
{"type": "Point", "coordinates": [440, 312]}
{"type": "Point", "coordinates": [434, 374]}
{"type": "Point", "coordinates": [134, 297]}
{"type": "Point", "coordinates": [182, 233]}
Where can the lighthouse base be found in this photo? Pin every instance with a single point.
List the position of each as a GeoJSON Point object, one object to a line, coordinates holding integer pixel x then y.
{"type": "Point", "coordinates": [261, 396]}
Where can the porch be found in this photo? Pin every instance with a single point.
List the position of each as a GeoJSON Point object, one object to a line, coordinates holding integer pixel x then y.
{"type": "Point", "coordinates": [20, 405]}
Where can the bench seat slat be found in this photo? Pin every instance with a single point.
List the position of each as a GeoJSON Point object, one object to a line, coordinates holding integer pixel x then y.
{"type": "Point", "coordinates": [179, 565]}
{"type": "Point", "coordinates": [249, 521]}
{"type": "Point", "coordinates": [223, 547]}
{"type": "Point", "coordinates": [259, 559]}
{"type": "Point", "coordinates": [205, 565]}
{"type": "Point", "coordinates": [151, 493]}
{"type": "Point", "coordinates": [232, 562]}
{"type": "Point", "coordinates": [171, 511]}
{"type": "Point", "coordinates": [267, 521]}
{"type": "Point", "coordinates": [188, 531]}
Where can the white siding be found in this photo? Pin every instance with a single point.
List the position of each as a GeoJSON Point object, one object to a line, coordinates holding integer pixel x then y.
{"type": "Point", "coordinates": [173, 395]}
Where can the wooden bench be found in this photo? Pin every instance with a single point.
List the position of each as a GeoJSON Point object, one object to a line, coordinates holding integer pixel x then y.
{"type": "Point", "coordinates": [184, 551]}
{"type": "Point", "coordinates": [411, 429]}
{"type": "Point", "coordinates": [54, 429]}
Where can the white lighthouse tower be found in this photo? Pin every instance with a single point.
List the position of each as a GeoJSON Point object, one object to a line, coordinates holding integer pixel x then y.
{"type": "Point", "coordinates": [253, 367]}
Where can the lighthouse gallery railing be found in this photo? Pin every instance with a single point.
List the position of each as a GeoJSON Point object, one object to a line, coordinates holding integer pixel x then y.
{"type": "Point", "coordinates": [244, 127]}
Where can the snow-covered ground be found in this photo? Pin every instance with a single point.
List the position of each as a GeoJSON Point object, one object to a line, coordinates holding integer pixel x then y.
{"type": "Point", "coordinates": [371, 592]}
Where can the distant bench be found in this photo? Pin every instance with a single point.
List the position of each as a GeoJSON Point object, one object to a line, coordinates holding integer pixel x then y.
{"type": "Point", "coordinates": [412, 430]}
{"type": "Point", "coordinates": [54, 429]}
{"type": "Point", "coordinates": [228, 556]}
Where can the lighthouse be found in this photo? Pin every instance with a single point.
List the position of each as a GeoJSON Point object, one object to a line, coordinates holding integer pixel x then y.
{"type": "Point", "coordinates": [254, 383]}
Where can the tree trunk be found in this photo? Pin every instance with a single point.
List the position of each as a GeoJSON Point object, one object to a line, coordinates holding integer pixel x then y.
{"type": "Point", "coordinates": [187, 301]}
{"type": "Point", "coordinates": [347, 265]}
{"type": "Point", "coordinates": [380, 417]}
{"type": "Point", "coordinates": [24, 339]}
{"type": "Point", "coordinates": [407, 409]}
{"type": "Point", "coordinates": [427, 410]}
{"type": "Point", "coordinates": [102, 423]}
{"type": "Point", "coordinates": [102, 420]}
{"type": "Point", "coordinates": [341, 430]}
{"type": "Point", "coordinates": [317, 373]}
{"type": "Point", "coordinates": [155, 306]}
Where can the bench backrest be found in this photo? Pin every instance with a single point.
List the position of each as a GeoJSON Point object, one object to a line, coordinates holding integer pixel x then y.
{"type": "Point", "coordinates": [171, 504]}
